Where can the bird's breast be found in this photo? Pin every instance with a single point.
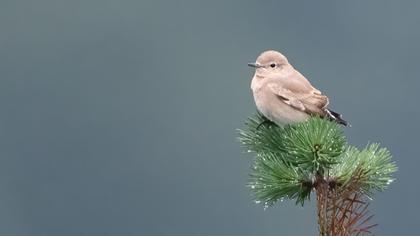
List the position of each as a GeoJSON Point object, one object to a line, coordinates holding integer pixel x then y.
{"type": "Point", "coordinates": [255, 84]}
{"type": "Point", "coordinates": [275, 109]}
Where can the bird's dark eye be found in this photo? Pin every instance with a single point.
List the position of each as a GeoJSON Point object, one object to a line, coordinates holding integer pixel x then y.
{"type": "Point", "coordinates": [272, 65]}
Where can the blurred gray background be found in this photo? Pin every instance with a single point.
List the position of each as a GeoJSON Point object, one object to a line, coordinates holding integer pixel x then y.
{"type": "Point", "coordinates": [120, 117]}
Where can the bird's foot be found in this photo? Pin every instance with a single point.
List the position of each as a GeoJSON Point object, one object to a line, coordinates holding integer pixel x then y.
{"type": "Point", "coordinates": [266, 122]}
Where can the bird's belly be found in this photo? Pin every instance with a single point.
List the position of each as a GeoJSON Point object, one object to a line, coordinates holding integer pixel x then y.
{"type": "Point", "coordinates": [277, 111]}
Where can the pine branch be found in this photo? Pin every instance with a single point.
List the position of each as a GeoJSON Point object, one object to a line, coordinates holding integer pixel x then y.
{"type": "Point", "coordinates": [346, 210]}
{"type": "Point", "coordinates": [375, 164]}
{"type": "Point", "coordinates": [273, 179]}
{"type": "Point", "coordinates": [314, 145]}
{"type": "Point", "coordinates": [294, 160]}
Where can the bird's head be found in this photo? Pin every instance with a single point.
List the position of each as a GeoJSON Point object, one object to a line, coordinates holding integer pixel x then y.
{"type": "Point", "coordinates": [270, 63]}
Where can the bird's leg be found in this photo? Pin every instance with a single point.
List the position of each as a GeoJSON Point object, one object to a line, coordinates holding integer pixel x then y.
{"type": "Point", "coordinates": [265, 121]}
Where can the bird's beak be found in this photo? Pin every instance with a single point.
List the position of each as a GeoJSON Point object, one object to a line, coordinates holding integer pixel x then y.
{"type": "Point", "coordinates": [255, 65]}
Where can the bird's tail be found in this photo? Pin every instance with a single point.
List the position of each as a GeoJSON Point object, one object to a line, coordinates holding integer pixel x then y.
{"type": "Point", "coordinates": [337, 117]}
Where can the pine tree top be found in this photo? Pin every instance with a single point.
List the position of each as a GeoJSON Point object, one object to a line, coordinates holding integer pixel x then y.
{"type": "Point", "coordinates": [290, 161]}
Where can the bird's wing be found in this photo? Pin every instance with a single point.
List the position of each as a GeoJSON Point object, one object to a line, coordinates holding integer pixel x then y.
{"type": "Point", "coordinates": [309, 99]}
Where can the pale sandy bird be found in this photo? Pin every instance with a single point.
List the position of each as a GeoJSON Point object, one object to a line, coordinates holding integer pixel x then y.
{"type": "Point", "coordinates": [285, 96]}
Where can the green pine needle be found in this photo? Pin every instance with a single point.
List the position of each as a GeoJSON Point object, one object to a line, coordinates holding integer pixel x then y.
{"type": "Point", "coordinates": [272, 179]}
{"type": "Point", "coordinates": [289, 158]}
{"type": "Point", "coordinates": [312, 145]}
{"type": "Point", "coordinates": [259, 137]}
{"type": "Point", "coordinates": [315, 144]}
{"type": "Point", "coordinates": [373, 162]}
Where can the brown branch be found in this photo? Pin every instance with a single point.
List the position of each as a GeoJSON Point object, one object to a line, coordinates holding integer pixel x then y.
{"type": "Point", "coordinates": [342, 209]}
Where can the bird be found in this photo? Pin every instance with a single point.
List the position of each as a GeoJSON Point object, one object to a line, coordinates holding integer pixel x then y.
{"type": "Point", "coordinates": [283, 95]}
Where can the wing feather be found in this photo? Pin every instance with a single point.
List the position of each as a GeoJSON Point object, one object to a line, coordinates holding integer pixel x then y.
{"type": "Point", "coordinates": [311, 101]}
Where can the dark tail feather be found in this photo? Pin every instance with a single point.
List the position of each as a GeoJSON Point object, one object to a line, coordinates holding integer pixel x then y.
{"type": "Point", "coordinates": [337, 117]}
